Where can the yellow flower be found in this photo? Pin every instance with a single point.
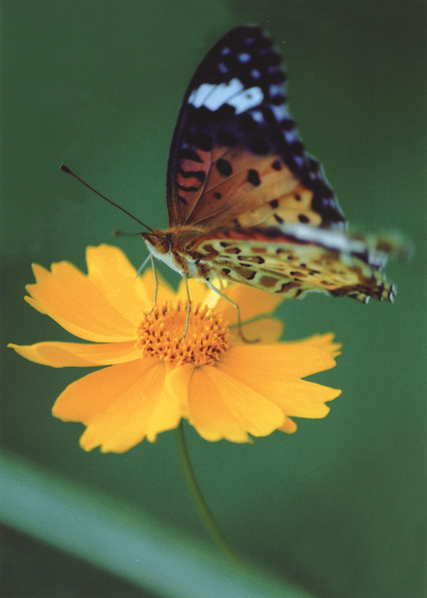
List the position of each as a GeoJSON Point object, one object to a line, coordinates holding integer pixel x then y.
{"type": "Point", "coordinates": [224, 387]}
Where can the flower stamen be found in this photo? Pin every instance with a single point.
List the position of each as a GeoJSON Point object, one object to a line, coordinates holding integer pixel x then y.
{"type": "Point", "coordinates": [160, 334]}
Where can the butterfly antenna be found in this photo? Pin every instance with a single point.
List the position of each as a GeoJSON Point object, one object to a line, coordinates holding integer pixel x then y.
{"type": "Point", "coordinates": [68, 171]}
{"type": "Point", "coordinates": [121, 233]}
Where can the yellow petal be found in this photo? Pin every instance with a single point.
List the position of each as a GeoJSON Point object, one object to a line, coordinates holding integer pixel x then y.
{"type": "Point", "coordinates": [110, 270]}
{"type": "Point", "coordinates": [252, 302]}
{"type": "Point", "coordinates": [59, 355]}
{"type": "Point", "coordinates": [302, 398]}
{"type": "Point", "coordinates": [147, 286]}
{"type": "Point", "coordinates": [72, 300]}
{"type": "Point", "coordinates": [222, 407]}
{"type": "Point", "coordinates": [115, 277]}
{"type": "Point", "coordinates": [120, 405]}
{"type": "Point", "coordinates": [289, 426]}
{"type": "Point", "coordinates": [38, 306]}
{"type": "Point", "coordinates": [265, 331]}
{"type": "Point", "coordinates": [323, 341]}
{"type": "Point", "coordinates": [272, 373]}
{"type": "Point", "coordinates": [279, 362]}
{"type": "Point", "coordinates": [197, 289]}
{"type": "Point", "coordinates": [84, 399]}
{"type": "Point", "coordinates": [178, 382]}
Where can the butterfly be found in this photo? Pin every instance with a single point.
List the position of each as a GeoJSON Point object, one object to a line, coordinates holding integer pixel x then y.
{"type": "Point", "coordinates": [246, 203]}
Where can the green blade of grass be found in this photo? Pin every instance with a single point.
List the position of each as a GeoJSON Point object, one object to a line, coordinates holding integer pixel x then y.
{"type": "Point", "coordinates": [129, 544]}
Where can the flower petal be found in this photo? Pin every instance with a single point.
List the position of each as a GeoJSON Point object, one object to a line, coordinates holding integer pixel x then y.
{"type": "Point", "coordinates": [289, 426]}
{"type": "Point", "coordinates": [178, 382]}
{"type": "Point", "coordinates": [252, 302]}
{"type": "Point", "coordinates": [111, 272]}
{"type": "Point", "coordinates": [323, 341]}
{"type": "Point", "coordinates": [274, 372]}
{"type": "Point", "coordinates": [222, 407]}
{"type": "Point", "coordinates": [280, 362]}
{"type": "Point", "coordinates": [306, 399]}
{"type": "Point", "coordinates": [120, 405]}
{"type": "Point", "coordinates": [197, 289]}
{"type": "Point", "coordinates": [146, 288]}
{"type": "Point", "coordinates": [266, 331]}
{"type": "Point", "coordinates": [72, 300]}
{"type": "Point", "coordinates": [59, 355]}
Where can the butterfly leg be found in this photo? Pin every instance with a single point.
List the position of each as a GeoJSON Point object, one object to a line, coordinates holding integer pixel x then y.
{"type": "Point", "coordinates": [142, 266]}
{"type": "Point", "coordinates": [187, 319]}
{"type": "Point", "coordinates": [156, 282]}
{"type": "Point", "coordinates": [235, 305]}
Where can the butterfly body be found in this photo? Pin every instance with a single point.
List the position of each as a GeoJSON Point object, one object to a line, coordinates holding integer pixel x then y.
{"type": "Point", "coordinates": [245, 201]}
{"type": "Point", "coordinates": [173, 248]}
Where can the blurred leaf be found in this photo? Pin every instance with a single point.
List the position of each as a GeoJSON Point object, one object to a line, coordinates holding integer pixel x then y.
{"type": "Point", "coordinates": [118, 539]}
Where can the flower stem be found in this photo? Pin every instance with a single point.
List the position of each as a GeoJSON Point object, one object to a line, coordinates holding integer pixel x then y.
{"type": "Point", "coordinates": [200, 503]}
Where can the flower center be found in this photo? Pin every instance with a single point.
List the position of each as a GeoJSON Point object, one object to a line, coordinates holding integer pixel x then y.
{"type": "Point", "coordinates": [160, 334]}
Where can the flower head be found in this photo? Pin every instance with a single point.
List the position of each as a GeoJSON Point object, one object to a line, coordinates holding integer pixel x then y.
{"type": "Point", "coordinates": [224, 387]}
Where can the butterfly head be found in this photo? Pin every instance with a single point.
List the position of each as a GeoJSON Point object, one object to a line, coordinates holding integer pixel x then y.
{"type": "Point", "coordinates": [157, 242]}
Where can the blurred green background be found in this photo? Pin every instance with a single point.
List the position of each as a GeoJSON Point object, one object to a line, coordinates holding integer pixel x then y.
{"type": "Point", "coordinates": [339, 507]}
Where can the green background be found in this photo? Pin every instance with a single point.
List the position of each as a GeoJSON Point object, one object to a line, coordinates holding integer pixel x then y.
{"type": "Point", "coordinates": [338, 507]}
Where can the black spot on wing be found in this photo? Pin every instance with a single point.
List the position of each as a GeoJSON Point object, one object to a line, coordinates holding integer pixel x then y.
{"type": "Point", "coordinates": [277, 77]}
{"type": "Point", "coordinates": [253, 177]}
{"type": "Point", "coordinates": [247, 123]}
{"type": "Point", "coordinates": [259, 146]}
{"type": "Point", "coordinates": [287, 124]}
{"type": "Point", "coordinates": [278, 100]}
{"type": "Point", "coordinates": [203, 141]}
{"type": "Point", "coordinates": [224, 167]}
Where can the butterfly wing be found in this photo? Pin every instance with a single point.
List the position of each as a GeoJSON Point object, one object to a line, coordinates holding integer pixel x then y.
{"type": "Point", "coordinates": [239, 176]}
{"type": "Point", "coordinates": [236, 158]}
{"type": "Point", "coordinates": [292, 260]}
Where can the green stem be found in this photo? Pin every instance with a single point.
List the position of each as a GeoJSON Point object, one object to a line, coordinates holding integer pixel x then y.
{"type": "Point", "coordinates": [200, 503]}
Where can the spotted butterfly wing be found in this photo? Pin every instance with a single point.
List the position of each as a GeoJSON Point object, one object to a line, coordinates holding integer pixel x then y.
{"type": "Point", "coordinates": [235, 144]}
{"type": "Point", "coordinates": [245, 201]}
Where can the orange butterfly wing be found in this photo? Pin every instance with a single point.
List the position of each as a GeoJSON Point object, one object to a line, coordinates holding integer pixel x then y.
{"type": "Point", "coordinates": [254, 207]}
{"type": "Point", "coordinates": [235, 147]}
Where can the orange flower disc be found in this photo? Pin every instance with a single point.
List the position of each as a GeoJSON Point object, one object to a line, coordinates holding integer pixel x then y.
{"type": "Point", "coordinates": [160, 335]}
